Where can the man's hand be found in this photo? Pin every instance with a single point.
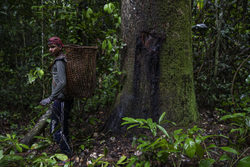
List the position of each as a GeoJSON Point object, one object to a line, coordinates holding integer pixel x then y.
{"type": "Point", "coordinates": [46, 101]}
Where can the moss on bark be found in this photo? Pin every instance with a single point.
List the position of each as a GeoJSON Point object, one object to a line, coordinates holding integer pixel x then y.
{"type": "Point", "coordinates": [174, 91]}
{"type": "Point", "coordinates": [176, 82]}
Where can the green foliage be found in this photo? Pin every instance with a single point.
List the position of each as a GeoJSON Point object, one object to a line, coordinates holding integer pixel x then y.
{"type": "Point", "coordinates": [10, 149]}
{"type": "Point", "coordinates": [241, 124]}
{"type": "Point", "coordinates": [11, 143]}
{"type": "Point", "coordinates": [24, 59]}
{"type": "Point", "coordinates": [244, 162]}
{"type": "Point", "coordinates": [206, 162]}
{"type": "Point", "coordinates": [236, 157]}
{"type": "Point", "coordinates": [46, 160]}
{"type": "Point", "coordinates": [34, 74]}
{"type": "Point", "coordinates": [170, 147]}
{"type": "Point", "coordinates": [226, 37]}
{"type": "Point", "coordinates": [98, 162]}
{"type": "Point", "coordinates": [164, 148]}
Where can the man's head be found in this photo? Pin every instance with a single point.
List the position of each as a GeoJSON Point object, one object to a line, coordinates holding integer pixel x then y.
{"type": "Point", "coordinates": [55, 45]}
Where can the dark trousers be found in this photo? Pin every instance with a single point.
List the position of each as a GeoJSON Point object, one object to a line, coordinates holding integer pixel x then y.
{"type": "Point", "coordinates": [59, 124]}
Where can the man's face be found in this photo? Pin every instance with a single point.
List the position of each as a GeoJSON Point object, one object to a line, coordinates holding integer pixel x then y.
{"type": "Point", "coordinates": [54, 49]}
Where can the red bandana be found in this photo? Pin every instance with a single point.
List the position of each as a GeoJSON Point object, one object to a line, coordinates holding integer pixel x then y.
{"type": "Point", "coordinates": [55, 40]}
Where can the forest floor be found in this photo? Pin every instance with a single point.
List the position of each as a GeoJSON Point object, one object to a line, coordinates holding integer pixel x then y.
{"type": "Point", "coordinates": [97, 144]}
{"type": "Point", "coordinates": [89, 142]}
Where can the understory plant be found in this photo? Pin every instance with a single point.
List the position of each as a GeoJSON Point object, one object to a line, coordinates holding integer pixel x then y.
{"type": "Point", "coordinates": [177, 147]}
{"type": "Point", "coordinates": [13, 153]}
{"type": "Point", "coordinates": [169, 148]}
{"type": "Point", "coordinates": [241, 125]}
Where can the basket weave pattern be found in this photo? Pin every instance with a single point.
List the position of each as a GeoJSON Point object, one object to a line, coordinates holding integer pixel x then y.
{"type": "Point", "coordinates": [81, 70]}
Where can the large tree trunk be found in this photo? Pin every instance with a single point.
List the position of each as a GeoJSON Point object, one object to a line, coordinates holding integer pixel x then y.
{"type": "Point", "coordinates": [157, 62]}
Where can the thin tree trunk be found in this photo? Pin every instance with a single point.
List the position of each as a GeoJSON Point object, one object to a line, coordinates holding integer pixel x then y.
{"type": "Point", "coordinates": [42, 51]}
{"type": "Point", "coordinates": [219, 17]}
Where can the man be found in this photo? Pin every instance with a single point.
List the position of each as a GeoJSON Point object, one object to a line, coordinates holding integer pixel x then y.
{"type": "Point", "coordinates": [62, 104]}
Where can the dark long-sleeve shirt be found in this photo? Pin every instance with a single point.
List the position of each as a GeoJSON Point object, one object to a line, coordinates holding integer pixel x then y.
{"type": "Point", "coordinates": [58, 71]}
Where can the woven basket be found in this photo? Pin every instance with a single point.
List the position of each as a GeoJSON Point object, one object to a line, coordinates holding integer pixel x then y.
{"type": "Point", "coordinates": [81, 70]}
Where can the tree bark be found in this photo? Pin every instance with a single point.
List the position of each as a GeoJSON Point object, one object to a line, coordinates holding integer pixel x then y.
{"type": "Point", "coordinates": [37, 129]}
{"type": "Point", "coordinates": [156, 63]}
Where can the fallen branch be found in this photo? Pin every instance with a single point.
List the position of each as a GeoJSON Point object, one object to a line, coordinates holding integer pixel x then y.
{"type": "Point", "coordinates": [37, 129]}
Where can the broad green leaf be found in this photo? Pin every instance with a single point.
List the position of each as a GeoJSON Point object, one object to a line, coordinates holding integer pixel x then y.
{"type": "Point", "coordinates": [143, 145]}
{"type": "Point", "coordinates": [200, 4]}
{"type": "Point", "coordinates": [163, 130]}
{"type": "Point", "coordinates": [131, 126]}
{"type": "Point", "coordinates": [190, 147]}
{"type": "Point", "coordinates": [89, 12]}
{"type": "Point", "coordinates": [147, 164]}
{"type": "Point", "coordinates": [110, 45]}
{"type": "Point", "coordinates": [11, 158]}
{"type": "Point", "coordinates": [206, 162]}
{"type": "Point", "coordinates": [229, 149]}
{"type": "Point", "coordinates": [142, 121]}
{"type": "Point", "coordinates": [244, 162]}
{"type": "Point", "coordinates": [110, 8]}
{"type": "Point", "coordinates": [82, 147]}
{"type": "Point", "coordinates": [211, 146]}
{"type": "Point", "coordinates": [131, 161]}
{"type": "Point", "coordinates": [161, 117]}
{"type": "Point", "coordinates": [194, 129]}
{"type": "Point", "coordinates": [231, 116]}
{"type": "Point", "coordinates": [61, 157]}
{"type": "Point", "coordinates": [178, 142]}
{"type": "Point", "coordinates": [8, 135]}
{"type": "Point", "coordinates": [129, 120]}
{"type": "Point", "coordinates": [116, 57]}
{"type": "Point", "coordinates": [198, 139]}
{"type": "Point", "coordinates": [177, 132]}
{"type": "Point", "coordinates": [200, 150]}
{"type": "Point", "coordinates": [40, 73]}
{"type": "Point", "coordinates": [119, 20]}
{"type": "Point", "coordinates": [156, 142]}
{"type": "Point", "coordinates": [1, 154]}
{"type": "Point", "coordinates": [31, 78]}
{"type": "Point", "coordinates": [105, 8]}
{"type": "Point", "coordinates": [24, 146]}
{"type": "Point", "coordinates": [13, 136]}
{"type": "Point", "coordinates": [150, 122]}
{"type": "Point", "coordinates": [19, 148]}
{"type": "Point", "coordinates": [34, 146]}
{"type": "Point", "coordinates": [225, 157]}
{"type": "Point", "coordinates": [120, 161]}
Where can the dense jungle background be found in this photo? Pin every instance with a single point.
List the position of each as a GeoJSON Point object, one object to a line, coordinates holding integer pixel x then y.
{"type": "Point", "coordinates": [220, 50]}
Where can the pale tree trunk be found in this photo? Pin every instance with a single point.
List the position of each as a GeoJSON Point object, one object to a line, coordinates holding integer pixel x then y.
{"type": "Point", "coordinates": [219, 19]}
{"type": "Point", "coordinates": [38, 128]}
{"type": "Point", "coordinates": [157, 62]}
